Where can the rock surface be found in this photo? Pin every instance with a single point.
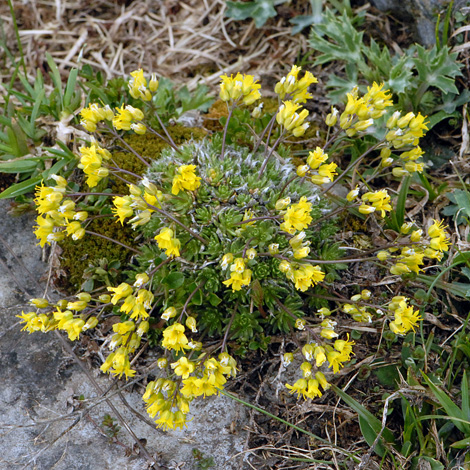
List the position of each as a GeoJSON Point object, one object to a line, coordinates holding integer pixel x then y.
{"type": "Point", "coordinates": [43, 392]}
{"type": "Point", "coordinates": [420, 14]}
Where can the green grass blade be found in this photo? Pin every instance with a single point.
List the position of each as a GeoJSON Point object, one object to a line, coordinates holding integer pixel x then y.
{"type": "Point", "coordinates": [366, 415]}
{"type": "Point", "coordinates": [449, 406]}
{"type": "Point", "coordinates": [21, 188]}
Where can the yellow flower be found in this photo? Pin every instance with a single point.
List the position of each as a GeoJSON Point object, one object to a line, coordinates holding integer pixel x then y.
{"type": "Point", "coordinates": [120, 292]}
{"type": "Point", "coordinates": [138, 86]}
{"type": "Point", "coordinates": [185, 179]}
{"type": "Point", "coordinates": [380, 201]}
{"type": "Point", "coordinates": [292, 121]}
{"type": "Point", "coordinates": [124, 117]}
{"type": "Point", "coordinates": [120, 364]}
{"type": "Point", "coordinates": [306, 276]}
{"type": "Point", "coordinates": [167, 242]}
{"type": "Point", "coordinates": [406, 319]}
{"type": "Point", "coordinates": [74, 327]}
{"type": "Point", "coordinates": [183, 367]}
{"type": "Point", "coordinates": [316, 158]}
{"type": "Point", "coordinates": [300, 387]}
{"type": "Point", "coordinates": [313, 390]}
{"type": "Point", "coordinates": [242, 87]}
{"type": "Point", "coordinates": [174, 337]}
{"type": "Point", "coordinates": [238, 280]}
{"type": "Point", "coordinates": [122, 208]}
{"type": "Point", "coordinates": [297, 215]}
{"type": "Point", "coordinates": [44, 230]}
{"type": "Point", "coordinates": [296, 89]}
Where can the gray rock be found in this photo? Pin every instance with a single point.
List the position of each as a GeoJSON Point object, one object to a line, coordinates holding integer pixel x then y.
{"type": "Point", "coordinates": [420, 14]}
{"type": "Point", "coordinates": [40, 388]}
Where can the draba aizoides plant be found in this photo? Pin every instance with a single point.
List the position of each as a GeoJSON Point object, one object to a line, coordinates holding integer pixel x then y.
{"type": "Point", "coordinates": [235, 242]}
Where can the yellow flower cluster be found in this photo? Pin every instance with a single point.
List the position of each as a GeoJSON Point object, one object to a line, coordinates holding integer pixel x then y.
{"type": "Point", "coordinates": [240, 275]}
{"type": "Point", "coordinates": [135, 306]}
{"type": "Point", "coordinates": [168, 242]}
{"type": "Point", "coordinates": [309, 385]}
{"type": "Point", "coordinates": [405, 318]}
{"type": "Point", "coordinates": [412, 256]}
{"type": "Point", "coordinates": [59, 319]}
{"type": "Point", "coordinates": [360, 112]}
{"type": "Point", "coordinates": [55, 212]}
{"type": "Point", "coordinates": [118, 363]}
{"type": "Point", "coordinates": [125, 116]}
{"type": "Point", "coordinates": [316, 169]}
{"type": "Point", "coordinates": [169, 403]}
{"type": "Point", "coordinates": [292, 121]}
{"type": "Point", "coordinates": [295, 89]}
{"type": "Point", "coordinates": [379, 201]}
{"type": "Point", "coordinates": [185, 179]}
{"type": "Point", "coordinates": [139, 201]}
{"type": "Point", "coordinates": [138, 85]}
{"type": "Point", "coordinates": [93, 114]}
{"type": "Point", "coordinates": [303, 276]}
{"type": "Point", "coordinates": [296, 216]}
{"type": "Point", "coordinates": [241, 87]}
{"type": "Point", "coordinates": [91, 162]}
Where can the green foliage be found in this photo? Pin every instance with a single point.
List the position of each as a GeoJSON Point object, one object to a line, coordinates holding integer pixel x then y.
{"type": "Point", "coordinates": [259, 10]}
{"type": "Point", "coordinates": [422, 80]}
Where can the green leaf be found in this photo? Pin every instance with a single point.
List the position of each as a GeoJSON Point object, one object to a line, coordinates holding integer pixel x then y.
{"type": "Point", "coordinates": [461, 444]}
{"type": "Point", "coordinates": [452, 410]}
{"type": "Point", "coordinates": [370, 435]}
{"type": "Point", "coordinates": [259, 10]}
{"type": "Point", "coordinates": [462, 198]}
{"type": "Point", "coordinates": [373, 422]}
{"type": "Point", "coordinates": [214, 299]}
{"type": "Point", "coordinates": [18, 166]}
{"type": "Point", "coordinates": [70, 87]}
{"type": "Point", "coordinates": [20, 188]}
{"type": "Point", "coordinates": [55, 74]}
{"type": "Point", "coordinates": [174, 280]}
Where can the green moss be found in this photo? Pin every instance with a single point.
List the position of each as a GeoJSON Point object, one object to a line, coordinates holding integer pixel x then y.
{"type": "Point", "coordinates": [77, 256]}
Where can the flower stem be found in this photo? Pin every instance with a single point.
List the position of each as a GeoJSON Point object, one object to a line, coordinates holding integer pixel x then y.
{"type": "Point", "coordinates": [266, 160]}
{"type": "Point", "coordinates": [114, 241]}
{"type": "Point", "coordinates": [169, 142]}
{"type": "Point", "coordinates": [222, 152]}
{"type": "Point", "coordinates": [115, 134]}
{"type": "Point", "coordinates": [176, 221]}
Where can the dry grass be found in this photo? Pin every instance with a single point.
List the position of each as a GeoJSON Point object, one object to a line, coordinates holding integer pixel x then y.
{"type": "Point", "coordinates": [188, 41]}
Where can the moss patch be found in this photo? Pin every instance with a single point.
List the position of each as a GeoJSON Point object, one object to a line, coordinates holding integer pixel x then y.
{"type": "Point", "coordinates": [77, 256]}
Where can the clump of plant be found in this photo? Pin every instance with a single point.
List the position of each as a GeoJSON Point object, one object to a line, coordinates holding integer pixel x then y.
{"type": "Point", "coordinates": [234, 243]}
{"type": "Point", "coordinates": [423, 80]}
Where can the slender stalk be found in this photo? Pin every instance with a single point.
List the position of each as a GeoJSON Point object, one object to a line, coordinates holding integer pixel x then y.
{"type": "Point", "coordinates": [130, 173]}
{"type": "Point", "coordinates": [115, 134]}
{"type": "Point", "coordinates": [165, 130]}
{"type": "Point", "coordinates": [18, 39]}
{"type": "Point", "coordinates": [193, 293]}
{"type": "Point", "coordinates": [270, 130]}
{"type": "Point", "coordinates": [287, 184]}
{"type": "Point", "coordinates": [169, 142]}
{"type": "Point", "coordinates": [266, 160]}
{"type": "Point", "coordinates": [154, 270]}
{"type": "Point", "coordinates": [222, 152]}
{"type": "Point", "coordinates": [176, 221]}
{"type": "Point", "coordinates": [114, 241]}
{"type": "Point", "coordinates": [351, 165]}
{"type": "Point", "coordinates": [260, 139]}
{"type": "Point", "coordinates": [227, 330]}
{"type": "Point", "coordinates": [268, 217]}
{"type": "Point", "coordinates": [319, 261]}
{"type": "Point", "coordinates": [294, 317]}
